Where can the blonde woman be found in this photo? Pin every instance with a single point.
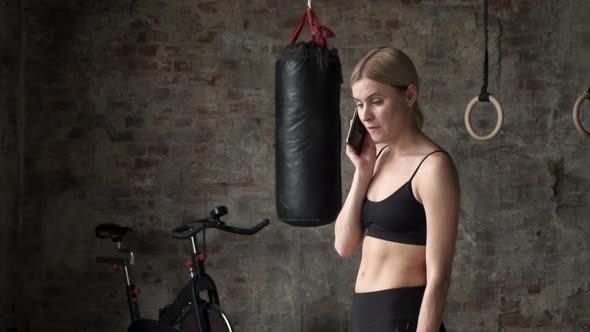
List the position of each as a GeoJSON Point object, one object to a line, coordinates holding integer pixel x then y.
{"type": "Point", "coordinates": [403, 204]}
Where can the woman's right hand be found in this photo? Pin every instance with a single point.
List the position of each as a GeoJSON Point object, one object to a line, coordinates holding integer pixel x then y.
{"type": "Point", "coordinates": [365, 162]}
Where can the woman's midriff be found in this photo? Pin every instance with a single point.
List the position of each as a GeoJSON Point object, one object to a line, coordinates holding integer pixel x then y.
{"type": "Point", "coordinates": [386, 265]}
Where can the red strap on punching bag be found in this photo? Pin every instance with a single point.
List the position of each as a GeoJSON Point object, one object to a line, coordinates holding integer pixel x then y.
{"type": "Point", "coordinates": [317, 32]}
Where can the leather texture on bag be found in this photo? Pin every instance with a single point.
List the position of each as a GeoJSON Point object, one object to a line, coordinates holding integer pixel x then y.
{"type": "Point", "coordinates": [308, 134]}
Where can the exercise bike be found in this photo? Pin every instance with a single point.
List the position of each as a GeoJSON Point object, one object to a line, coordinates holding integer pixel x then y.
{"type": "Point", "coordinates": [190, 311]}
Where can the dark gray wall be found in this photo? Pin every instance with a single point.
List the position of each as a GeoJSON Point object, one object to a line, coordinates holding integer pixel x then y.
{"type": "Point", "coordinates": [9, 160]}
{"type": "Point", "coordinates": [147, 113]}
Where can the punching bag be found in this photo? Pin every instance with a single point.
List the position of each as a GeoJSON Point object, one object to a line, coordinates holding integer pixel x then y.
{"type": "Point", "coordinates": [308, 76]}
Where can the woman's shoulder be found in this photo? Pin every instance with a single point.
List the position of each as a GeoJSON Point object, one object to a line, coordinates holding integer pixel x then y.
{"type": "Point", "coordinates": [437, 162]}
{"type": "Point", "coordinates": [429, 149]}
{"type": "Point", "coordinates": [437, 175]}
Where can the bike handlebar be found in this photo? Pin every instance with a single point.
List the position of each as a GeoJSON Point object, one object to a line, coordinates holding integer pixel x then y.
{"type": "Point", "coordinates": [187, 230]}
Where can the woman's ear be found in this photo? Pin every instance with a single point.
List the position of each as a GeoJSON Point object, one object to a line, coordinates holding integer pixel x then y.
{"type": "Point", "coordinates": [411, 95]}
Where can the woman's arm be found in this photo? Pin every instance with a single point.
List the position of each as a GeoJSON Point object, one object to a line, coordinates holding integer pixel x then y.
{"type": "Point", "coordinates": [348, 232]}
{"type": "Point", "coordinates": [438, 188]}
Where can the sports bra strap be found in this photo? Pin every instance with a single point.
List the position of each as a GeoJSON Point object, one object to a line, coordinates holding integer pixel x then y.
{"type": "Point", "coordinates": [420, 164]}
{"type": "Point", "coordinates": [383, 148]}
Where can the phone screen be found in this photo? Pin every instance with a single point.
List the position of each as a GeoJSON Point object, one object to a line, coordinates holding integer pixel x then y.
{"type": "Point", "coordinates": [356, 134]}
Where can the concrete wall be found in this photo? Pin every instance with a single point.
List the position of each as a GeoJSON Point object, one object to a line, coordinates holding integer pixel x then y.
{"type": "Point", "coordinates": [9, 78]}
{"type": "Point", "coordinates": [148, 113]}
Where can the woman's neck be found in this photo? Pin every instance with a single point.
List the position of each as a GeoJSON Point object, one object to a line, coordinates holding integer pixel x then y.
{"type": "Point", "coordinates": [405, 142]}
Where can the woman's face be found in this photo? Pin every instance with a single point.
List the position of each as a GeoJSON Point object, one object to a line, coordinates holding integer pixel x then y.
{"type": "Point", "coordinates": [383, 109]}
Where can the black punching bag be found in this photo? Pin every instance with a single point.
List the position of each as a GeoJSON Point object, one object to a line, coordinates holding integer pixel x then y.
{"type": "Point", "coordinates": [307, 132]}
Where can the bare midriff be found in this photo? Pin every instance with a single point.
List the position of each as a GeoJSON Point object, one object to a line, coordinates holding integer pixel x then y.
{"type": "Point", "coordinates": [386, 265]}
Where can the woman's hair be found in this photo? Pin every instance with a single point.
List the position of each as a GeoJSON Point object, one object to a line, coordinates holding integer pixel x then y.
{"type": "Point", "coordinates": [389, 66]}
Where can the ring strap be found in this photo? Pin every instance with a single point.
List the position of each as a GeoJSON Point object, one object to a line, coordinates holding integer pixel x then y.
{"type": "Point", "coordinates": [485, 95]}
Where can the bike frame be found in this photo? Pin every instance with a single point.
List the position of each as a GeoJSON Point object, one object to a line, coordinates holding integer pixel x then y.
{"type": "Point", "coordinates": [189, 299]}
{"type": "Point", "coordinates": [130, 288]}
{"type": "Point", "coordinates": [201, 282]}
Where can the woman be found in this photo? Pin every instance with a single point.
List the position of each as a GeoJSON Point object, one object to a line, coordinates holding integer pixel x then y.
{"type": "Point", "coordinates": [402, 206]}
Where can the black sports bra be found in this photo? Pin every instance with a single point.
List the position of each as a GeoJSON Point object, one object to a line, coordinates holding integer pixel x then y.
{"type": "Point", "coordinates": [399, 217]}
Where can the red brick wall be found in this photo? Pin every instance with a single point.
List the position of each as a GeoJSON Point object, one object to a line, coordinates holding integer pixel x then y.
{"type": "Point", "coordinates": [148, 113]}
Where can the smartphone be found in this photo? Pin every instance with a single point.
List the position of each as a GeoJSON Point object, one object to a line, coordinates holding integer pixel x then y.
{"type": "Point", "coordinates": [356, 134]}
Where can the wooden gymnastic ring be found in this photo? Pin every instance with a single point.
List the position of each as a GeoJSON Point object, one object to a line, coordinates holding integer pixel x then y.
{"type": "Point", "coordinates": [496, 130]}
{"type": "Point", "coordinates": [576, 114]}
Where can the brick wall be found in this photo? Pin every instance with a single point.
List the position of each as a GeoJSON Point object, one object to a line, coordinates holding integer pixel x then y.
{"type": "Point", "coordinates": [148, 113]}
{"type": "Point", "coordinates": [9, 77]}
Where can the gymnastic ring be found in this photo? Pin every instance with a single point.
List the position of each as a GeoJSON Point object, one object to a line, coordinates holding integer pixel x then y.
{"type": "Point", "coordinates": [576, 114]}
{"type": "Point", "coordinates": [496, 130]}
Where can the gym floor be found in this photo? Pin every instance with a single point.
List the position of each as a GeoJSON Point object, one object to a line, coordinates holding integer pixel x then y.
{"type": "Point", "coordinates": [150, 113]}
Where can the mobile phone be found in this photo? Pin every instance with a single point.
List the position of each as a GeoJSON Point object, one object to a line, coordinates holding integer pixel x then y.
{"type": "Point", "coordinates": [356, 134]}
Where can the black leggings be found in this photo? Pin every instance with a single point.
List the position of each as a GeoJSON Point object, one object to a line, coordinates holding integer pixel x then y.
{"type": "Point", "coordinates": [390, 310]}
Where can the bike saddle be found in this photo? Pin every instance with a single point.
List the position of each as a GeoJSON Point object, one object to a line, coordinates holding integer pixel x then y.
{"type": "Point", "coordinates": [112, 231]}
{"type": "Point", "coordinates": [218, 212]}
